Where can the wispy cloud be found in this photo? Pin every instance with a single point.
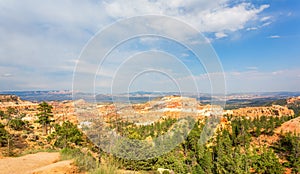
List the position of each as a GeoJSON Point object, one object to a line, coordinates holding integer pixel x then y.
{"type": "Point", "coordinates": [266, 18]}
{"type": "Point", "coordinates": [185, 55]}
{"type": "Point", "coordinates": [274, 37]}
{"type": "Point", "coordinates": [252, 28]}
{"type": "Point", "coordinates": [266, 24]}
{"type": "Point", "coordinates": [7, 75]}
{"type": "Point", "coordinates": [220, 35]}
{"type": "Point", "coordinates": [208, 16]}
{"type": "Point", "coordinates": [252, 68]}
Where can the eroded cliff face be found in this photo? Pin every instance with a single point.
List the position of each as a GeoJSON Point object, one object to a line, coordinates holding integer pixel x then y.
{"type": "Point", "coordinates": [166, 107]}
{"type": "Point", "coordinates": [62, 111]}
{"type": "Point", "coordinates": [26, 107]}
{"type": "Point", "coordinates": [32, 137]}
{"type": "Point", "coordinates": [274, 110]}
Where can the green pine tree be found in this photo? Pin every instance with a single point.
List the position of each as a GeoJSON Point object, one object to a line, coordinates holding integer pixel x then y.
{"type": "Point", "coordinates": [267, 162]}
{"type": "Point", "coordinates": [44, 116]}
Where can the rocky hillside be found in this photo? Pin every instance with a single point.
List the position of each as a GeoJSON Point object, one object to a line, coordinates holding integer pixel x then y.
{"type": "Point", "coordinates": [292, 126]}
{"type": "Point", "coordinates": [274, 110]}
{"type": "Point", "coordinates": [293, 100]}
{"type": "Point", "coordinates": [18, 119]}
{"type": "Point", "coordinates": [9, 98]}
{"type": "Point", "coordinates": [62, 111]}
{"type": "Point", "coordinates": [154, 110]}
{"type": "Point", "coordinates": [15, 102]}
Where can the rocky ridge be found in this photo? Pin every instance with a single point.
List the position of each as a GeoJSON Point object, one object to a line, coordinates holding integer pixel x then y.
{"type": "Point", "coordinates": [274, 110]}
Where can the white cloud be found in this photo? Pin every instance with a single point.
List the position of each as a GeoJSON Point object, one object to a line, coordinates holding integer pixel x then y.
{"type": "Point", "coordinates": [7, 75]}
{"type": "Point", "coordinates": [274, 37]}
{"type": "Point", "coordinates": [266, 24]}
{"type": "Point", "coordinates": [265, 18]}
{"type": "Point", "coordinates": [252, 28]}
{"type": "Point", "coordinates": [220, 35]}
{"type": "Point", "coordinates": [230, 18]}
{"type": "Point", "coordinates": [280, 72]}
{"type": "Point", "coordinates": [208, 16]}
{"type": "Point", "coordinates": [185, 55]}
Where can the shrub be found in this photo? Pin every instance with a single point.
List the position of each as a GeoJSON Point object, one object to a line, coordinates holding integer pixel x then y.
{"type": "Point", "coordinates": [65, 135]}
{"type": "Point", "coordinates": [165, 172]}
{"type": "Point", "coordinates": [3, 135]}
{"type": "Point", "coordinates": [17, 124]}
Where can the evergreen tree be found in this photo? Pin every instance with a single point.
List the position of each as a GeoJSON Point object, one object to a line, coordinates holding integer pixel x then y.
{"type": "Point", "coordinates": [44, 116]}
{"type": "Point", "coordinates": [204, 160]}
{"type": "Point", "coordinates": [267, 162]}
{"type": "Point", "coordinates": [289, 146]}
{"type": "Point", "coordinates": [66, 134]}
{"type": "Point", "coordinates": [224, 162]}
{"type": "Point", "coordinates": [2, 114]}
{"type": "Point", "coordinates": [3, 135]}
{"type": "Point", "coordinates": [11, 112]}
{"type": "Point", "coordinates": [16, 124]}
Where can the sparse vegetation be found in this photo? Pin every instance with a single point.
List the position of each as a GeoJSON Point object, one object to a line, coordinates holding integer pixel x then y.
{"type": "Point", "coordinates": [66, 134]}
{"type": "Point", "coordinates": [33, 151]}
{"type": "Point", "coordinates": [84, 161]}
{"type": "Point", "coordinates": [17, 124]}
{"type": "Point", "coordinates": [2, 115]}
{"type": "Point", "coordinates": [3, 135]}
{"type": "Point", "coordinates": [295, 107]}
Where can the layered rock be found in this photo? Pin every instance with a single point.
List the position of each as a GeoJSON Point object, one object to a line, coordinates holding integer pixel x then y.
{"type": "Point", "coordinates": [146, 113]}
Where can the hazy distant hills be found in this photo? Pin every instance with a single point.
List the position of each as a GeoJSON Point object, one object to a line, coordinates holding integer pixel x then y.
{"type": "Point", "coordinates": [240, 99]}
{"type": "Point", "coordinates": [41, 95]}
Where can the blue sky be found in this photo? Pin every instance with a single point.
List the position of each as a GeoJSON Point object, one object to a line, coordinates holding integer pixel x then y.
{"type": "Point", "coordinates": [257, 42]}
{"type": "Point", "coordinates": [270, 48]}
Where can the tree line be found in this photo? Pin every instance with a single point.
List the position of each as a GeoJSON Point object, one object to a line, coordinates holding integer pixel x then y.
{"type": "Point", "coordinates": [230, 151]}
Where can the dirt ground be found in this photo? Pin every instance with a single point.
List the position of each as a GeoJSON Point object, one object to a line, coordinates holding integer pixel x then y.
{"type": "Point", "coordinates": [39, 163]}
